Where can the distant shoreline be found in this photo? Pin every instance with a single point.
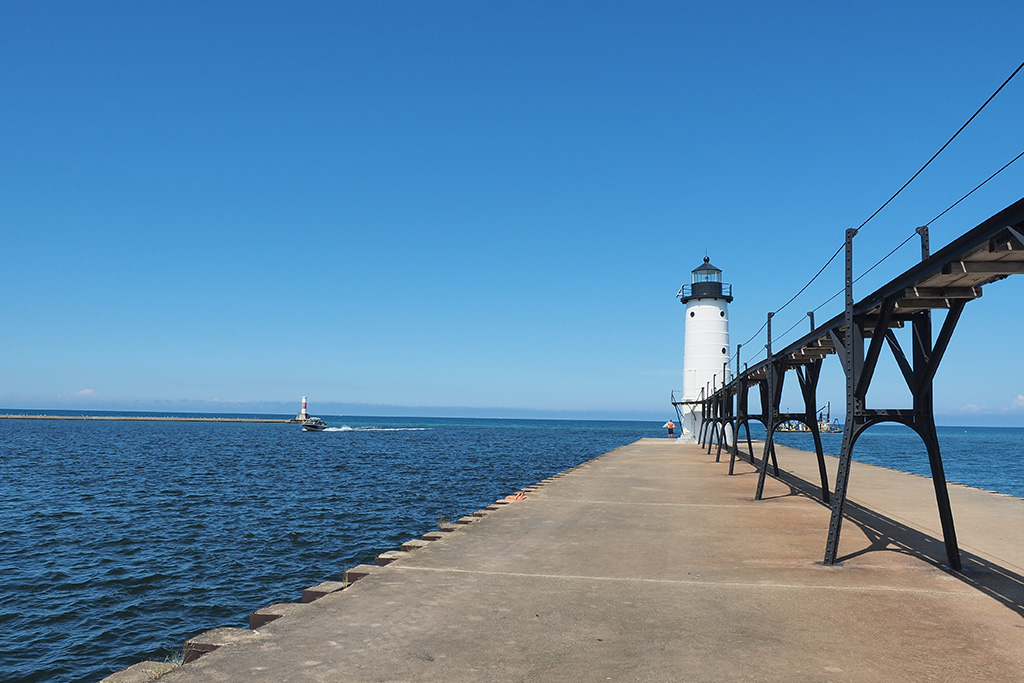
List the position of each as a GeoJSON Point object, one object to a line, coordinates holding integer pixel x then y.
{"type": "Point", "coordinates": [148, 418]}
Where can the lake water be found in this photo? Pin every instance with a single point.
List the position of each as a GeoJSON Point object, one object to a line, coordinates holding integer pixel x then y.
{"type": "Point", "coordinates": [990, 458]}
{"type": "Point", "coordinates": [121, 540]}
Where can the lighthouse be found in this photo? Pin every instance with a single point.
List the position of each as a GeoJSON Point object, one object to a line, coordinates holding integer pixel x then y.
{"type": "Point", "coordinates": [303, 415]}
{"type": "Point", "coordinates": [706, 347]}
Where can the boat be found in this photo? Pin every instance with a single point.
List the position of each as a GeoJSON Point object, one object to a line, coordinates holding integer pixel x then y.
{"type": "Point", "coordinates": [825, 424]}
{"type": "Point", "coordinates": [314, 424]}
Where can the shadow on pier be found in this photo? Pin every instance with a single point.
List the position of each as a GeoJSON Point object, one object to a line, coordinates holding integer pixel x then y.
{"type": "Point", "coordinates": [887, 535]}
{"type": "Point", "coordinates": [896, 317]}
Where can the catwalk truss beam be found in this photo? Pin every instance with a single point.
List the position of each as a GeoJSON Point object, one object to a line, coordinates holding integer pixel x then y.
{"type": "Point", "coordinates": [946, 281]}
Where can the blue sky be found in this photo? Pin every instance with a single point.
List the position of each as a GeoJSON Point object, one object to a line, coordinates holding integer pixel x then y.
{"type": "Point", "coordinates": [475, 207]}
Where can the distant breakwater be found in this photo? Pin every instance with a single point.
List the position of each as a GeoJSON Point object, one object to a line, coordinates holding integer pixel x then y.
{"type": "Point", "coordinates": [148, 418]}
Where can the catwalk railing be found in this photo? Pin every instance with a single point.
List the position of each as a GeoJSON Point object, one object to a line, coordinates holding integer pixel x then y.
{"type": "Point", "coordinates": [948, 280]}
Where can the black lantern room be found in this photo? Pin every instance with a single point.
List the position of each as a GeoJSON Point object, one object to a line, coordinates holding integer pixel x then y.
{"type": "Point", "coordinates": [707, 284]}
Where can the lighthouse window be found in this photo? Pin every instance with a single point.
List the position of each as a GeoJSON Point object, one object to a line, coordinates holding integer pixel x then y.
{"type": "Point", "coordinates": [691, 314]}
{"type": "Point", "coordinates": [724, 350]}
{"type": "Point", "coordinates": [721, 313]}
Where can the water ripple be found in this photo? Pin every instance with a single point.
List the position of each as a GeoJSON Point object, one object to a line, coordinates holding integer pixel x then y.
{"type": "Point", "coordinates": [120, 540]}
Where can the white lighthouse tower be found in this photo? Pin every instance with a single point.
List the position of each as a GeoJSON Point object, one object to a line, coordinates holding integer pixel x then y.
{"type": "Point", "coordinates": [706, 350]}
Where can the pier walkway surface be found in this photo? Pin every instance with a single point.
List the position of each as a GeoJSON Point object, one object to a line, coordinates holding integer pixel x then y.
{"type": "Point", "coordinates": [651, 563]}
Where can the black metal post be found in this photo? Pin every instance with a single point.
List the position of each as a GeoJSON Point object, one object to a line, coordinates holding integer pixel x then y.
{"type": "Point", "coordinates": [726, 412]}
{"type": "Point", "coordinates": [843, 473]}
{"type": "Point", "coordinates": [738, 418]}
{"type": "Point", "coordinates": [703, 415]}
{"type": "Point", "coordinates": [926, 359]}
{"type": "Point", "coordinates": [712, 432]}
{"type": "Point", "coordinates": [770, 412]}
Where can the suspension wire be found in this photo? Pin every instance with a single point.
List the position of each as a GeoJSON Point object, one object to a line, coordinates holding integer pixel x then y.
{"type": "Point", "coordinates": [878, 263]}
{"type": "Point", "coordinates": [976, 188]}
{"type": "Point", "coordinates": [888, 201]}
{"type": "Point", "coordinates": [753, 336]}
{"type": "Point", "coordinates": [838, 251]}
{"type": "Point", "coordinates": [912, 178]}
{"type": "Point", "coordinates": [756, 356]}
{"type": "Point", "coordinates": [949, 208]}
{"type": "Point", "coordinates": [794, 297]}
{"type": "Point", "coordinates": [798, 323]}
{"type": "Point", "coordinates": [802, 289]}
{"type": "Point", "coordinates": [830, 299]}
{"type": "Point", "coordinates": [827, 263]}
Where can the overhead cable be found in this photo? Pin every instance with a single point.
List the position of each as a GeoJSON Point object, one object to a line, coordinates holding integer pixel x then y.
{"type": "Point", "coordinates": [754, 336]}
{"type": "Point", "coordinates": [889, 200]}
{"type": "Point", "coordinates": [877, 263]}
{"type": "Point", "coordinates": [1007, 165]}
{"type": "Point", "coordinates": [911, 236]}
{"type": "Point", "coordinates": [1008, 79]}
{"type": "Point", "coordinates": [838, 251]}
{"type": "Point", "coordinates": [797, 324]}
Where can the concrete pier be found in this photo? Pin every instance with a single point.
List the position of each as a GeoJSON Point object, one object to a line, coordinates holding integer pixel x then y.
{"type": "Point", "coordinates": [651, 563]}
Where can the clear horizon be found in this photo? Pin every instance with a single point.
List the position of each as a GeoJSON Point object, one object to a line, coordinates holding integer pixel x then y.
{"type": "Point", "coordinates": [329, 409]}
{"type": "Point", "coordinates": [444, 412]}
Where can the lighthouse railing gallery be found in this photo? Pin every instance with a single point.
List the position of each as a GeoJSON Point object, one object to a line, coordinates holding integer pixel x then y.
{"type": "Point", "coordinates": [948, 280]}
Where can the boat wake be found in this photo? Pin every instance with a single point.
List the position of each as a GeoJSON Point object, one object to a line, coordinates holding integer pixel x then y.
{"type": "Point", "coordinates": [346, 428]}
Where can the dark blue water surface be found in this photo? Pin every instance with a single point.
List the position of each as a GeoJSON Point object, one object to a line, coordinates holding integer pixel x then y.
{"type": "Point", "coordinates": [121, 540]}
{"type": "Point", "coordinates": [990, 458]}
